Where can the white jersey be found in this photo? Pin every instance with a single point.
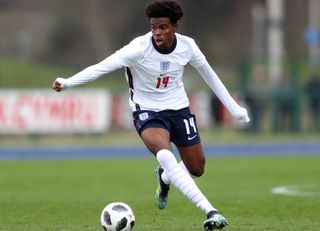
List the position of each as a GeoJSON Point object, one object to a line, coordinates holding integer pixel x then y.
{"type": "Point", "coordinates": [155, 79]}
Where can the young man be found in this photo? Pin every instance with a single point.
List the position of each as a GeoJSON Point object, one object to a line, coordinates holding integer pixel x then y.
{"type": "Point", "coordinates": [154, 65]}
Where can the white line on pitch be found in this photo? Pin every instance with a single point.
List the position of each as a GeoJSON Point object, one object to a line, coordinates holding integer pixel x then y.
{"type": "Point", "coordinates": [296, 190]}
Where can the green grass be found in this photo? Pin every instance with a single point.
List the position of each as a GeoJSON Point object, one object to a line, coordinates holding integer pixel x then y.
{"type": "Point", "coordinates": [23, 75]}
{"type": "Point", "coordinates": [26, 75]}
{"type": "Point", "coordinates": [14, 74]}
{"type": "Point", "coordinates": [69, 195]}
{"type": "Point", "coordinates": [116, 137]}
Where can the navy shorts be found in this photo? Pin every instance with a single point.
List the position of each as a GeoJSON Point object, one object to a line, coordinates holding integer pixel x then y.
{"type": "Point", "coordinates": [181, 124]}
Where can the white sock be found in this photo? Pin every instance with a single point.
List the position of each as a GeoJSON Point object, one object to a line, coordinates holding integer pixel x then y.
{"type": "Point", "coordinates": [183, 181]}
{"type": "Point", "coordinates": [183, 166]}
{"type": "Point", "coordinates": [165, 178]}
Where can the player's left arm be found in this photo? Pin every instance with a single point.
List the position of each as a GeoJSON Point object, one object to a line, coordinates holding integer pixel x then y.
{"type": "Point", "coordinates": [200, 63]}
{"type": "Point", "coordinates": [214, 82]}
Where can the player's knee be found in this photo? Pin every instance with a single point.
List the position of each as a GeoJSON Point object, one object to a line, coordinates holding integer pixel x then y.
{"type": "Point", "coordinates": [196, 169]}
{"type": "Point", "coordinates": [197, 172]}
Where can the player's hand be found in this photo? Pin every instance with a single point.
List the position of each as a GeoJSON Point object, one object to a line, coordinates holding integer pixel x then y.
{"type": "Point", "coordinates": [59, 84]}
{"type": "Point", "coordinates": [242, 115]}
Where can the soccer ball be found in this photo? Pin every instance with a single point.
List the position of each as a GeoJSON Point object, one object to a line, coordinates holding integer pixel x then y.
{"type": "Point", "coordinates": [117, 216]}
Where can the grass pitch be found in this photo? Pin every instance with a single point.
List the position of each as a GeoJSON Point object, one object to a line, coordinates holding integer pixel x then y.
{"type": "Point", "coordinates": [67, 195]}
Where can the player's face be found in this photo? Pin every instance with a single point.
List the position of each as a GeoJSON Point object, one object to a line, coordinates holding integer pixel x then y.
{"type": "Point", "coordinates": [163, 32]}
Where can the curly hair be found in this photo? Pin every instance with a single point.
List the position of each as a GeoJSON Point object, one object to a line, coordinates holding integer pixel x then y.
{"type": "Point", "coordinates": [164, 8]}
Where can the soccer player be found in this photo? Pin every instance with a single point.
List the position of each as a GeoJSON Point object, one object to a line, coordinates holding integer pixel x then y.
{"type": "Point", "coordinates": [154, 65]}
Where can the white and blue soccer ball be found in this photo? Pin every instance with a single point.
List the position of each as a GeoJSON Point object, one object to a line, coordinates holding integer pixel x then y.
{"type": "Point", "coordinates": [117, 216]}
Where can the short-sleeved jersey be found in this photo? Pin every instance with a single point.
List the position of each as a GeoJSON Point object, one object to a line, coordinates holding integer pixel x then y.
{"type": "Point", "coordinates": [155, 78]}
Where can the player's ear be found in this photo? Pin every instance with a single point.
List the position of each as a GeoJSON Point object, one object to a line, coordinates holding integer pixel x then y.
{"type": "Point", "coordinates": [175, 27]}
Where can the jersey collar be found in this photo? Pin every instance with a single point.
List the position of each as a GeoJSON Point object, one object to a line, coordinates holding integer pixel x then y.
{"type": "Point", "coordinates": [165, 52]}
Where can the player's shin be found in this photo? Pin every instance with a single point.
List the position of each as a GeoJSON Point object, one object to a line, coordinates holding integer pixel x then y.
{"type": "Point", "coordinates": [182, 165]}
{"type": "Point", "coordinates": [182, 180]}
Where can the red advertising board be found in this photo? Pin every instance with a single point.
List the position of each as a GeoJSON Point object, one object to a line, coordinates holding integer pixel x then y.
{"type": "Point", "coordinates": [42, 111]}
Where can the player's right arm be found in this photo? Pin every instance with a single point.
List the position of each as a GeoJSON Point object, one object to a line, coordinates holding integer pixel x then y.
{"type": "Point", "coordinates": [89, 74]}
{"type": "Point", "coordinates": [122, 58]}
{"type": "Point", "coordinates": [59, 84]}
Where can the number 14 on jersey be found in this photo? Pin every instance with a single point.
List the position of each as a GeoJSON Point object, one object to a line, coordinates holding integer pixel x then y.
{"type": "Point", "coordinates": [162, 81]}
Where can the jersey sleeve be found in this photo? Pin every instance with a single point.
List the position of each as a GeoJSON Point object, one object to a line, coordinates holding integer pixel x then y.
{"type": "Point", "coordinates": [220, 90]}
{"type": "Point", "coordinates": [130, 54]}
{"type": "Point", "coordinates": [126, 56]}
{"type": "Point", "coordinates": [198, 57]}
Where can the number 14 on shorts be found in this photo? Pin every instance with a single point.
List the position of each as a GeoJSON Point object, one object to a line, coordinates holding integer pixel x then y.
{"type": "Point", "coordinates": [190, 124]}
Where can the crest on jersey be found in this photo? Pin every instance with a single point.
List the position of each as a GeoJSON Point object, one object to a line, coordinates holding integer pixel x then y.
{"type": "Point", "coordinates": [164, 66]}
